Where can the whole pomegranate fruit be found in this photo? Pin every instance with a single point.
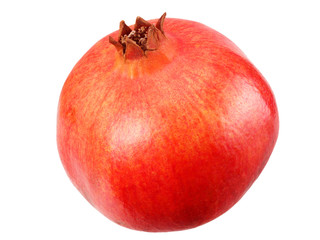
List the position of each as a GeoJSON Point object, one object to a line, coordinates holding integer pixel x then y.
{"type": "Point", "coordinates": [165, 125]}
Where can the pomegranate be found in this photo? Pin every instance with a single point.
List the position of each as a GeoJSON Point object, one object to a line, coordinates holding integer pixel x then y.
{"type": "Point", "coordinates": [164, 125]}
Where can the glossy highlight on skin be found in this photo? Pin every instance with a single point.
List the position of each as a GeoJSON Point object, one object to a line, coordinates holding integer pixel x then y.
{"type": "Point", "coordinates": [170, 139]}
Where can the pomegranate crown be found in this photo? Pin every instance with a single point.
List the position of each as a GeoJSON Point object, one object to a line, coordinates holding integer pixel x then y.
{"type": "Point", "coordinates": [144, 37]}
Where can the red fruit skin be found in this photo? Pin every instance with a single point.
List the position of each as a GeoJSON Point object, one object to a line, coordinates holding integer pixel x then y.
{"type": "Point", "coordinates": [169, 141]}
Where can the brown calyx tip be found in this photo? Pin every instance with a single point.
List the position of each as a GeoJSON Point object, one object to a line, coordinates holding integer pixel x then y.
{"type": "Point", "coordinates": [144, 37]}
{"type": "Point", "coordinates": [140, 22]}
{"type": "Point", "coordinates": [160, 22]}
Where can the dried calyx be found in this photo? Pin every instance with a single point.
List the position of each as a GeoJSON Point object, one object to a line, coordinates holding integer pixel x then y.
{"type": "Point", "coordinates": [144, 37]}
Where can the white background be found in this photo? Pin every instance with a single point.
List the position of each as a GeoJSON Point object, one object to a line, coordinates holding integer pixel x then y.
{"type": "Point", "coordinates": [42, 40]}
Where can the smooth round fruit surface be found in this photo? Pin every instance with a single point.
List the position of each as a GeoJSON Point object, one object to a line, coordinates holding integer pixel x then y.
{"type": "Point", "coordinates": [168, 138]}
